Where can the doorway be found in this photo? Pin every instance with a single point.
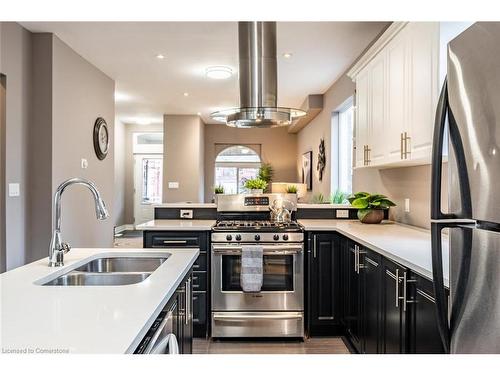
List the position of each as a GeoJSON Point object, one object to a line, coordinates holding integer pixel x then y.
{"type": "Point", "coordinates": [148, 185]}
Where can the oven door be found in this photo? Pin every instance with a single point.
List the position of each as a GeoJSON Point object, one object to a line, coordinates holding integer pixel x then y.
{"type": "Point", "coordinates": [283, 279]}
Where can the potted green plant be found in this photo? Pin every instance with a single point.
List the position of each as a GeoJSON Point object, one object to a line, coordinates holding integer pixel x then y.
{"type": "Point", "coordinates": [219, 189]}
{"type": "Point", "coordinates": [338, 197]}
{"type": "Point", "coordinates": [256, 185]}
{"type": "Point", "coordinates": [291, 189]}
{"type": "Point", "coordinates": [370, 206]}
{"type": "Point", "coordinates": [266, 173]}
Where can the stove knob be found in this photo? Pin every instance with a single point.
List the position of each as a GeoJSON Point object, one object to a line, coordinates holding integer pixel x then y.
{"type": "Point", "coordinates": [285, 237]}
{"type": "Point", "coordinates": [276, 237]}
{"type": "Point", "coordinates": [229, 237]}
{"type": "Point", "coordinates": [257, 237]}
{"type": "Point", "coordinates": [238, 237]}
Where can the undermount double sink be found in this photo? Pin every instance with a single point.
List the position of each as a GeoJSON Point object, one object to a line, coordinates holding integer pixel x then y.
{"type": "Point", "coordinates": [116, 270]}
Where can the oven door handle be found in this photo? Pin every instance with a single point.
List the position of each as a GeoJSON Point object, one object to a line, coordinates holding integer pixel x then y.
{"type": "Point", "coordinates": [275, 251]}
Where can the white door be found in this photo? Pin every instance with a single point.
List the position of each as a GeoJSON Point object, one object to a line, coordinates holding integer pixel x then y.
{"type": "Point", "coordinates": [148, 184]}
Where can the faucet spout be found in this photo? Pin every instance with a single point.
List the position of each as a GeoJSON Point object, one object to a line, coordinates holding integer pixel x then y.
{"type": "Point", "coordinates": [57, 248]}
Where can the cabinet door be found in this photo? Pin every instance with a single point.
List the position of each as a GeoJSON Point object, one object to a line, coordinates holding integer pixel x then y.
{"type": "Point", "coordinates": [372, 288]}
{"type": "Point", "coordinates": [376, 130]}
{"type": "Point", "coordinates": [362, 116]}
{"type": "Point", "coordinates": [424, 333]}
{"type": "Point", "coordinates": [397, 93]}
{"type": "Point", "coordinates": [393, 316]}
{"type": "Point", "coordinates": [424, 89]}
{"type": "Point", "coordinates": [324, 279]}
{"type": "Point", "coordinates": [352, 312]}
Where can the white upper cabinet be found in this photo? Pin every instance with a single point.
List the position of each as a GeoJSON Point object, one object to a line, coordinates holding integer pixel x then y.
{"type": "Point", "coordinates": [397, 88]}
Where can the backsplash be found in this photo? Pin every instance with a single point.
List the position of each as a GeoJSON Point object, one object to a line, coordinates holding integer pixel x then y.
{"type": "Point", "coordinates": [400, 183]}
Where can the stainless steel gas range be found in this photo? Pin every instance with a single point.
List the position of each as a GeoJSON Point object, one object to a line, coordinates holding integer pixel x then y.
{"type": "Point", "coordinates": [278, 309]}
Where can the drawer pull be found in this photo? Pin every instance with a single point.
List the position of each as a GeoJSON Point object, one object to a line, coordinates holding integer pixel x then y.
{"type": "Point", "coordinates": [196, 286]}
{"type": "Point", "coordinates": [175, 242]}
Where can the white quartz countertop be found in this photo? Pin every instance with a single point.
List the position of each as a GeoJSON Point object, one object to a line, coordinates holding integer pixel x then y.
{"type": "Point", "coordinates": [409, 246]}
{"type": "Point", "coordinates": [85, 319]}
{"type": "Point", "coordinates": [171, 224]}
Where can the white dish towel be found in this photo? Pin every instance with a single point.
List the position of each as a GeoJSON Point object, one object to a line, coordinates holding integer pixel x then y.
{"type": "Point", "coordinates": [251, 274]}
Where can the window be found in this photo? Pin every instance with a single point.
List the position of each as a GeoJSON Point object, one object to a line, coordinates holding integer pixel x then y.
{"type": "Point", "coordinates": [151, 180]}
{"type": "Point", "coordinates": [148, 143]}
{"type": "Point", "coordinates": [233, 166]}
{"type": "Point", "coordinates": [342, 147]}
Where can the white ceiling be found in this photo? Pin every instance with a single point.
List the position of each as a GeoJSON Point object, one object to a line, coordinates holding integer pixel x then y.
{"type": "Point", "coordinates": [148, 87]}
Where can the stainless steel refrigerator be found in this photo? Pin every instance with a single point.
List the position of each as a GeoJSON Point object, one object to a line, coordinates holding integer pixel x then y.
{"type": "Point", "coordinates": [469, 112]}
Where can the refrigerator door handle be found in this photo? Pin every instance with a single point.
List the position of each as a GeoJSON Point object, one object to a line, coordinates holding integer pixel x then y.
{"type": "Point", "coordinates": [438, 283]}
{"type": "Point", "coordinates": [437, 155]}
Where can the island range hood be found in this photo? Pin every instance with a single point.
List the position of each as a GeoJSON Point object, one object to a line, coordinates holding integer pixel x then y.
{"type": "Point", "coordinates": [258, 81]}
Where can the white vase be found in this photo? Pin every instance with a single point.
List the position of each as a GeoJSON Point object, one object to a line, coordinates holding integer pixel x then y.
{"type": "Point", "coordinates": [256, 191]}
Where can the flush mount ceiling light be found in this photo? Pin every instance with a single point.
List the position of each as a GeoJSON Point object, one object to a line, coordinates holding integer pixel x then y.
{"type": "Point", "coordinates": [287, 55]}
{"type": "Point", "coordinates": [186, 94]}
{"type": "Point", "coordinates": [219, 72]}
{"type": "Point", "coordinates": [160, 56]}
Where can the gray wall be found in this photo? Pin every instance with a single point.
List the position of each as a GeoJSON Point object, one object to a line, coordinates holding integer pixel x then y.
{"type": "Point", "coordinates": [16, 65]}
{"type": "Point", "coordinates": [183, 146]}
{"type": "Point", "coordinates": [278, 147]}
{"type": "Point", "coordinates": [119, 183]}
{"type": "Point", "coordinates": [53, 97]}
{"type": "Point", "coordinates": [320, 127]}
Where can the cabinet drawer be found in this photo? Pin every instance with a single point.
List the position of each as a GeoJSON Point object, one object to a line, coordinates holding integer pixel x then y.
{"type": "Point", "coordinates": [199, 281]}
{"type": "Point", "coordinates": [173, 240]}
{"type": "Point", "coordinates": [199, 308]}
{"type": "Point", "coordinates": [201, 263]}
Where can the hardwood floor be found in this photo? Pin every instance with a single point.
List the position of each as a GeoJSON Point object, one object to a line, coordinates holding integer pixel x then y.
{"type": "Point", "coordinates": [330, 345]}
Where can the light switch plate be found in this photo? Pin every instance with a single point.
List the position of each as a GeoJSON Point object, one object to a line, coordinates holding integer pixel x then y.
{"type": "Point", "coordinates": [14, 190]}
{"type": "Point", "coordinates": [342, 214]}
{"type": "Point", "coordinates": [173, 185]}
{"type": "Point", "coordinates": [186, 214]}
{"type": "Point", "coordinates": [84, 163]}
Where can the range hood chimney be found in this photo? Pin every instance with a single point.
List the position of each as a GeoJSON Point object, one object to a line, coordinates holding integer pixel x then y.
{"type": "Point", "coordinates": [258, 81]}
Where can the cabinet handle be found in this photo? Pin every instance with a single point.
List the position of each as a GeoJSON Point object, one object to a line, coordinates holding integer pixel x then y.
{"type": "Point", "coordinates": [356, 259]}
{"type": "Point", "coordinates": [407, 138]}
{"type": "Point", "coordinates": [364, 154]}
{"type": "Point", "coordinates": [175, 242]}
{"type": "Point", "coordinates": [314, 247]}
{"type": "Point", "coordinates": [405, 290]}
{"type": "Point", "coordinates": [397, 287]}
{"type": "Point", "coordinates": [187, 301]}
{"type": "Point", "coordinates": [401, 147]}
{"type": "Point", "coordinates": [368, 150]}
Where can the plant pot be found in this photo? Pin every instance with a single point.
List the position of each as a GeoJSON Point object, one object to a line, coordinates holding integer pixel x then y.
{"type": "Point", "coordinates": [256, 191]}
{"type": "Point", "coordinates": [373, 217]}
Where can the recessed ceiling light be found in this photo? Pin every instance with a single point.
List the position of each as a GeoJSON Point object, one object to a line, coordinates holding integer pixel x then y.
{"type": "Point", "coordinates": [122, 97]}
{"type": "Point", "coordinates": [287, 55]}
{"type": "Point", "coordinates": [160, 56]}
{"type": "Point", "coordinates": [219, 72]}
{"type": "Point", "coordinates": [186, 94]}
{"type": "Point", "coordinates": [199, 113]}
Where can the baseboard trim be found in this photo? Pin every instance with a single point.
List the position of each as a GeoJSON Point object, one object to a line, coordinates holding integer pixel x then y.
{"type": "Point", "coordinates": [122, 228]}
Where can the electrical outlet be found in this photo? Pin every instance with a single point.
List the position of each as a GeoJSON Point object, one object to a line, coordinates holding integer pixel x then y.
{"type": "Point", "coordinates": [186, 214]}
{"type": "Point", "coordinates": [173, 185]}
{"type": "Point", "coordinates": [84, 163]}
{"type": "Point", "coordinates": [14, 190]}
{"type": "Point", "coordinates": [342, 214]}
{"type": "Point", "coordinates": [407, 204]}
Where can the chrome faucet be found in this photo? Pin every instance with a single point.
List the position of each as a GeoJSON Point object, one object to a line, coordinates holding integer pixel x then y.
{"type": "Point", "coordinates": [57, 248]}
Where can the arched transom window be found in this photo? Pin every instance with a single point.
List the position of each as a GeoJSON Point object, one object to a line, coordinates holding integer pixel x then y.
{"type": "Point", "coordinates": [233, 166]}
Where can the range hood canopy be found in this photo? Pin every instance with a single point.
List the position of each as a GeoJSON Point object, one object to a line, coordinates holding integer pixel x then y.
{"type": "Point", "coordinates": [258, 81]}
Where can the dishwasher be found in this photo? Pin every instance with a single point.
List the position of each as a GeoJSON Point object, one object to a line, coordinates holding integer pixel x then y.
{"type": "Point", "coordinates": [161, 339]}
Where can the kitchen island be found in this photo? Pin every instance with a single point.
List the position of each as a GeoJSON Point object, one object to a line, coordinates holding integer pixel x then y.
{"type": "Point", "coordinates": [37, 318]}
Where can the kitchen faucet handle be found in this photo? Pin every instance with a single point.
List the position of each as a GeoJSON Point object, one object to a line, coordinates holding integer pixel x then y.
{"type": "Point", "coordinates": [65, 247]}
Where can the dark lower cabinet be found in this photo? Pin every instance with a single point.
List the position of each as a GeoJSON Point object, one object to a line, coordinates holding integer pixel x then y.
{"type": "Point", "coordinates": [424, 333]}
{"type": "Point", "coordinates": [394, 309]}
{"type": "Point", "coordinates": [352, 317]}
{"type": "Point", "coordinates": [371, 272]}
{"type": "Point", "coordinates": [200, 280]}
{"type": "Point", "coordinates": [323, 280]}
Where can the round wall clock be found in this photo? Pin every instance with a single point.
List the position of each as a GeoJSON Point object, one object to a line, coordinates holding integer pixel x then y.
{"type": "Point", "coordinates": [101, 138]}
